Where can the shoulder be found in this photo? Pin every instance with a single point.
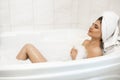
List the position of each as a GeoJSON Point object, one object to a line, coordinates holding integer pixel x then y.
{"type": "Point", "coordinates": [85, 42]}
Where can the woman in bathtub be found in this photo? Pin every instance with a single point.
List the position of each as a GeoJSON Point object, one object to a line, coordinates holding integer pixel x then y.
{"type": "Point", "coordinates": [103, 33]}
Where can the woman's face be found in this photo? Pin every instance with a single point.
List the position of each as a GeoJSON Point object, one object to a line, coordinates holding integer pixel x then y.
{"type": "Point", "coordinates": [95, 30]}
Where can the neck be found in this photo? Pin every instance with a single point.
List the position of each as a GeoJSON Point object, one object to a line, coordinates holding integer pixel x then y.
{"type": "Point", "coordinates": [95, 41]}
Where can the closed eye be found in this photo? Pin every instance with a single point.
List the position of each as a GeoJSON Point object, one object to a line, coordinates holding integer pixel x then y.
{"type": "Point", "coordinates": [96, 26]}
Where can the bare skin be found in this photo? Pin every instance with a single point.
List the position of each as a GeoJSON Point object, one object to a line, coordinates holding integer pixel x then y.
{"type": "Point", "coordinates": [29, 51]}
{"type": "Point", "coordinates": [92, 47]}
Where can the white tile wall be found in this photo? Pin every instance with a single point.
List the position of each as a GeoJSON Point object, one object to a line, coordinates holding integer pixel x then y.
{"type": "Point", "coordinates": [60, 26]}
{"type": "Point", "coordinates": [63, 11]}
{"type": "Point", "coordinates": [115, 6]}
{"type": "Point", "coordinates": [43, 11]}
{"type": "Point", "coordinates": [84, 10]}
{"type": "Point", "coordinates": [4, 12]}
{"type": "Point", "coordinates": [39, 27]}
{"type": "Point", "coordinates": [17, 28]}
{"type": "Point", "coordinates": [5, 28]}
{"type": "Point", "coordinates": [22, 15]}
{"type": "Point", "coordinates": [4, 16]}
{"type": "Point", "coordinates": [97, 8]}
{"type": "Point", "coordinates": [21, 12]}
{"type": "Point", "coordinates": [74, 11]}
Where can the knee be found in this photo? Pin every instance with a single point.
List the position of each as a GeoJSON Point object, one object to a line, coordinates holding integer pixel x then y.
{"type": "Point", "coordinates": [28, 46]}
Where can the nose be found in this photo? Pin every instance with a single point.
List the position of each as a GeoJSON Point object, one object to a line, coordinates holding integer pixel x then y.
{"type": "Point", "coordinates": [91, 27]}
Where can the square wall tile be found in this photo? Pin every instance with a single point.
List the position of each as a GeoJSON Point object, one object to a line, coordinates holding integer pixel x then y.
{"type": "Point", "coordinates": [5, 28]}
{"type": "Point", "coordinates": [22, 28]}
{"type": "Point", "coordinates": [62, 26]}
{"type": "Point", "coordinates": [98, 7]}
{"type": "Point", "coordinates": [63, 11]}
{"type": "Point", "coordinates": [21, 12]}
{"type": "Point", "coordinates": [84, 12]}
{"type": "Point", "coordinates": [75, 26]}
{"type": "Point", "coordinates": [83, 27]}
{"type": "Point", "coordinates": [115, 6]}
{"type": "Point", "coordinates": [4, 12]}
{"type": "Point", "coordinates": [75, 11]}
{"type": "Point", "coordinates": [40, 27]}
{"type": "Point", "coordinates": [43, 11]}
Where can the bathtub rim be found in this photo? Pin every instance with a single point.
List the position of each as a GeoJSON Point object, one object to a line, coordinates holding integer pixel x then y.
{"type": "Point", "coordinates": [59, 63]}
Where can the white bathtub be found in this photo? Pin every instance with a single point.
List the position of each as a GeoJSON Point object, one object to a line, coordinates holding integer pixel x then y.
{"type": "Point", "coordinates": [55, 46]}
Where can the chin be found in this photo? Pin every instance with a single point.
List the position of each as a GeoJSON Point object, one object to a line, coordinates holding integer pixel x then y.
{"type": "Point", "coordinates": [89, 34]}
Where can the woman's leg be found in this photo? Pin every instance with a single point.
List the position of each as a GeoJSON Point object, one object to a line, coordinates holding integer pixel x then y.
{"type": "Point", "coordinates": [29, 51]}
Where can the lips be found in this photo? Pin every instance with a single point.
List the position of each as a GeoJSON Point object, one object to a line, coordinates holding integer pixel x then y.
{"type": "Point", "coordinates": [89, 30]}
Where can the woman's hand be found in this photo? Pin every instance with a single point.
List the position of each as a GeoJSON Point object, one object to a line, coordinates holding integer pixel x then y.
{"type": "Point", "coordinates": [73, 53]}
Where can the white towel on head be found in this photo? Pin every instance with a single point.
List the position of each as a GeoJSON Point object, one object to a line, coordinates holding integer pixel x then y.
{"type": "Point", "coordinates": [110, 29]}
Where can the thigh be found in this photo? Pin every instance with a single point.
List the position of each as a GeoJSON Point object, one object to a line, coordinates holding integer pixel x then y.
{"type": "Point", "coordinates": [34, 54]}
